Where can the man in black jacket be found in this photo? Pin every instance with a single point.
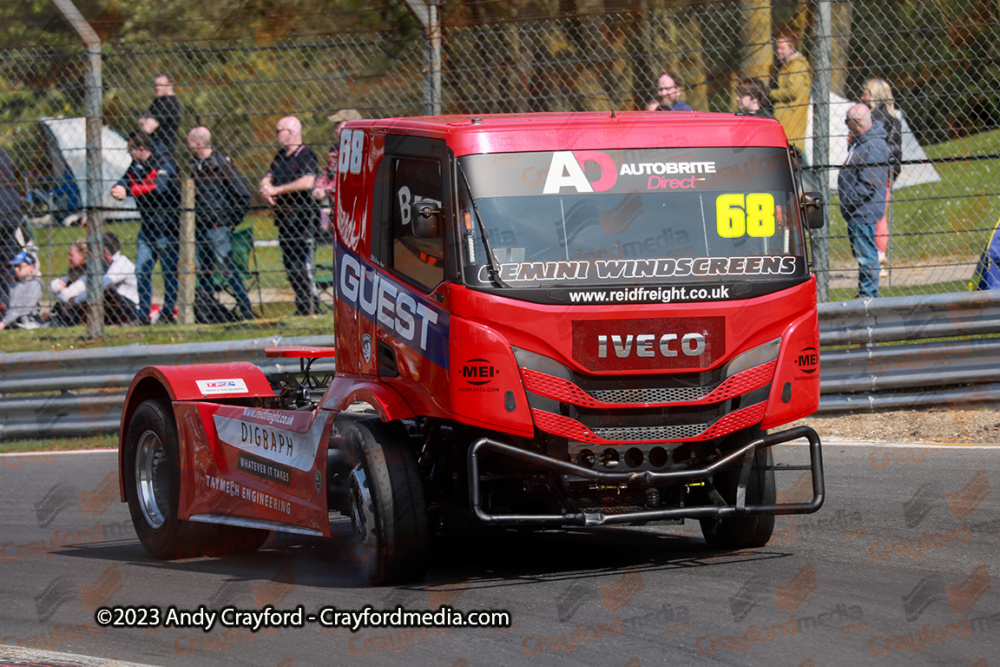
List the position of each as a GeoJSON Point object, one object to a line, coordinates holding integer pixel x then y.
{"type": "Point", "coordinates": [152, 180]}
{"type": "Point", "coordinates": [222, 198]}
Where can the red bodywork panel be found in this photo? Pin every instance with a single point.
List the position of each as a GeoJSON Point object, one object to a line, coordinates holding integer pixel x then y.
{"type": "Point", "coordinates": [184, 383]}
{"type": "Point", "coordinates": [549, 331]}
{"type": "Point", "coordinates": [267, 465]}
{"type": "Point", "coordinates": [235, 461]}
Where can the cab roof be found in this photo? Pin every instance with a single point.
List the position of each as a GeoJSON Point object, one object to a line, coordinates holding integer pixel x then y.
{"type": "Point", "coordinates": [511, 133]}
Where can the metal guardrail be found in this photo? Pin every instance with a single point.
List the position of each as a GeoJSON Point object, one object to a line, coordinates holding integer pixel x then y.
{"type": "Point", "coordinates": [81, 392]}
{"type": "Point", "coordinates": [872, 376]}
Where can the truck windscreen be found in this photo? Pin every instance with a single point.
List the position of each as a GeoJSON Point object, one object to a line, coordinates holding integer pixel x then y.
{"type": "Point", "coordinates": [630, 217]}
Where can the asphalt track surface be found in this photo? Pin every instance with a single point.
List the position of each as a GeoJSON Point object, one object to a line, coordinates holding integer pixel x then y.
{"type": "Point", "coordinates": [896, 569]}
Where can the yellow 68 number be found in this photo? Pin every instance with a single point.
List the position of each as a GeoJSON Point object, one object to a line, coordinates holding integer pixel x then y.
{"type": "Point", "coordinates": [750, 214]}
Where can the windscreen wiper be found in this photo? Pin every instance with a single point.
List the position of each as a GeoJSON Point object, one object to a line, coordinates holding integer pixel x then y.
{"type": "Point", "coordinates": [494, 266]}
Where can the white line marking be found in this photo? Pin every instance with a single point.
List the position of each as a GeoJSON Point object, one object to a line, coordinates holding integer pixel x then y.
{"type": "Point", "coordinates": [39, 656]}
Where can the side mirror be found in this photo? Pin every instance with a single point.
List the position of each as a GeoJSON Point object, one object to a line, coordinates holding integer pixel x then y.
{"type": "Point", "coordinates": [813, 210]}
{"type": "Point", "coordinates": [426, 219]}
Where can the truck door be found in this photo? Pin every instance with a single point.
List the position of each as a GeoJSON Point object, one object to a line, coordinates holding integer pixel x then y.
{"type": "Point", "coordinates": [408, 332]}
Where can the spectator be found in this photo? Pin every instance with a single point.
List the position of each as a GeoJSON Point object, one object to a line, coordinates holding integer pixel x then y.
{"type": "Point", "coordinates": [152, 180]}
{"type": "Point", "coordinates": [861, 185]}
{"type": "Point", "coordinates": [671, 89]}
{"type": "Point", "coordinates": [23, 306]}
{"type": "Point", "coordinates": [10, 218]}
{"type": "Point", "coordinates": [751, 98]}
{"type": "Point", "coordinates": [148, 124]}
{"type": "Point", "coordinates": [877, 94]}
{"type": "Point", "coordinates": [287, 187]}
{"type": "Point", "coordinates": [325, 189]}
{"type": "Point", "coordinates": [121, 289]}
{"type": "Point", "coordinates": [222, 198]}
{"type": "Point", "coordinates": [790, 92]}
{"type": "Point", "coordinates": [67, 290]}
{"type": "Point", "coordinates": [163, 120]}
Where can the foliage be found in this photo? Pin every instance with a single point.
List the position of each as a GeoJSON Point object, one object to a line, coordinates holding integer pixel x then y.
{"type": "Point", "coordinates": [38, 23]}
{"type": "Point", "coordinates": [945, 70]}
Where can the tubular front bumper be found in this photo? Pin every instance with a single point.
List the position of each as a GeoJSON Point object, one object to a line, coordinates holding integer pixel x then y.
{"type": "Point", "coordinates": [746, 453]}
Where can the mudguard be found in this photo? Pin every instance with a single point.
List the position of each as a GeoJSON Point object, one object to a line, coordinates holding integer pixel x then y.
{"type": "Point", "coordinates": [254, 467]}
{"type": "Point", "coordinates": [239, 465]}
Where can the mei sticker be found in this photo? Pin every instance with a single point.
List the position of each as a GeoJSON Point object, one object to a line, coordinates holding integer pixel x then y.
{"type": "Point", "coordinates": [232, 386]}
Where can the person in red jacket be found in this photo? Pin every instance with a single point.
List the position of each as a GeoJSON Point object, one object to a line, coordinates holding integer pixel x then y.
{"type": "Point", "coordinates": [152, 180]}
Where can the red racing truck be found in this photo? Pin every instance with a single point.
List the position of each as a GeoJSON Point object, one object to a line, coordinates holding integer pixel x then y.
{"type": "Point", "coordinates": [540, 320]}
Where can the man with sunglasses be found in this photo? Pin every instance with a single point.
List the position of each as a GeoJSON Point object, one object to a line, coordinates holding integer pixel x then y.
{"type": "Point", "coordinates": [861, 185]}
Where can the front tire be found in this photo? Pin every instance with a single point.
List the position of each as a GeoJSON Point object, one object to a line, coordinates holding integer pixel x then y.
{"type": "Point", "coordinates": [750, 530]}
{"type": "Point", "coordinates": [387, 503]}
{"type": "Point", "coordinates": [152, 485]}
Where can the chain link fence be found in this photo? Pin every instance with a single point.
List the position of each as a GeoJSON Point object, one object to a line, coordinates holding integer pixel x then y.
{"type": "Point", "coordinates": [940, 60]}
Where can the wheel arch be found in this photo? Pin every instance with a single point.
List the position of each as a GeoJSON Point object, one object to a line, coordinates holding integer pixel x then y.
{"type": "Point", "coordinates": [388, 403]}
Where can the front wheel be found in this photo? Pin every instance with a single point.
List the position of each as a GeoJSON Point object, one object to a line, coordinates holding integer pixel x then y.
{"type": "Point", "coordinates": [749, 530]}
{"type": "Point", "coordinates": [152, 485]}
{"type": "Point", "coordinates": [387, 503]}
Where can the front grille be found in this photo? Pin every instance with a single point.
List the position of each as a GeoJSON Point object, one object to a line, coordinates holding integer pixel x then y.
{"type": "Point", "coordinates": [662, 395]}
{"type": "Point", "coordinates": [640, 434]}
{"type": "Point", "coordinates": [574, 431]}
{"type": "Point", "coordinates": [605, 410]}
{"type": "Point", "coordinates": [579, 394]}
{"type": "Point", "coordinates": [622, 418]}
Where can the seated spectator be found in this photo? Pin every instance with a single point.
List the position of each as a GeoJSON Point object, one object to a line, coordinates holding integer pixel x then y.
{"type": "Point", "coordinates": [68, 311]}
{"type": "Point", "coordinates": [121, 289]}
{"type": "Point", "coordinates": [23, 304]}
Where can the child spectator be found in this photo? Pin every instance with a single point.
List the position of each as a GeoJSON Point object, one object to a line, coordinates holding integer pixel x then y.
{"type": "Point", "coordinates": [23, 306]}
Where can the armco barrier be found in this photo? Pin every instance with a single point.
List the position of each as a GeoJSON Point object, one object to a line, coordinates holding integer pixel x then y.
{"type": "Point", "coordinates": [81, 392]}
{"type": "Point", "coordinates": [864, 374]}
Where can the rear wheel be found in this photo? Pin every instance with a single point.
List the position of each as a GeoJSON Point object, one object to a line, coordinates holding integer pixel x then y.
{"type": "Point", "coordinates": [152, 485]}
{"type": "Point", "coordinates": [749, 530]}
{"type": "Point", "coordinates": [387, 503]}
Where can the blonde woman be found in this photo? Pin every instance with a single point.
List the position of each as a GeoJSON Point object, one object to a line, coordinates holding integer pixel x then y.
{"type": "Point", "coordinates": [877, 94]}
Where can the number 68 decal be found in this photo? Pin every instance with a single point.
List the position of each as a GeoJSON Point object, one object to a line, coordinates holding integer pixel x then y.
{"type": "Point", "coordinates": [750, 214]}
{"type": "Point", "coordinates": [352, 143]}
